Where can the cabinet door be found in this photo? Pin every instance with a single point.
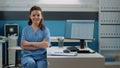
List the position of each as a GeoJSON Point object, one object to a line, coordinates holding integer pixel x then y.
{"type": "Point", "coordinates": [75, 63]}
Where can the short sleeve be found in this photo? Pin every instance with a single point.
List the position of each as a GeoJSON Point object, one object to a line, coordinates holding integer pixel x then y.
{"type": "Point", "coordinates": [23, 37]}
{"type": "Point", "coordinates": [47, 35]}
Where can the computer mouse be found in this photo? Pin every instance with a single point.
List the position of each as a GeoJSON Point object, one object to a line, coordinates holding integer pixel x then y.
{"type": "Point", "coordinates": [66, 51]}
{"type": "Point", "coordinates": [72, 48]}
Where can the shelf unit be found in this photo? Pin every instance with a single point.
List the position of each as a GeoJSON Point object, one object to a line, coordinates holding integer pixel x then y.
{"type": "Point", "coordinates": [109, 30]}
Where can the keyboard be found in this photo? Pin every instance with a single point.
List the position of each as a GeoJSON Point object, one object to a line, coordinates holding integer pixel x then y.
{"type": "Point", "coordinates": [84, 51]}
{"type": "Point", "coordinates": [63, 54]}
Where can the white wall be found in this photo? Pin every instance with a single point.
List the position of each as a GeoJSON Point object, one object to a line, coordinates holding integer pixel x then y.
{"type": "Point", "coordinates": [49, 5]}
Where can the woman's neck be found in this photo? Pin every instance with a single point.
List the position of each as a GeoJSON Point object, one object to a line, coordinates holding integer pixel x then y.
{"type": "Point", "coordinates": [35, 27]}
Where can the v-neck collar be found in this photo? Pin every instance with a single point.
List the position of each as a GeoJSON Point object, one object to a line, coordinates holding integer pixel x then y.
{"type": "Point", "coordinates": [33, 29]}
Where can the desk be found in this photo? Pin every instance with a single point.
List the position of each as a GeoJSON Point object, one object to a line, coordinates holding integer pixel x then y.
{"type": "Point", "coordinates": [94, 60]}
{"type": "Point", "coordinates": [15, 48]}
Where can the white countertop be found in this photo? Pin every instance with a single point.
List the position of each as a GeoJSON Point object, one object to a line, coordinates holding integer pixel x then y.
{"type": "Point", "coordinates": [79, 55]}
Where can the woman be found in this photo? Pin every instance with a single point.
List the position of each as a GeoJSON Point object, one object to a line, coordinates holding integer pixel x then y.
{"type": "Point", "coordinates": [35, 39]}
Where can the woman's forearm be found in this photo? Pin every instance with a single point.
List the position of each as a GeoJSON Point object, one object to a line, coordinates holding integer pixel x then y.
{"type": "Point", "coordinates": [26, 43]}
{"type": "Point", "coordinates": [29, 47]}
{"type": "Point", "coordinates": [41, 44]}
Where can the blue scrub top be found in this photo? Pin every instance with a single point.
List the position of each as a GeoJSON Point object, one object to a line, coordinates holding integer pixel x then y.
{"type": "Point", "coordinates": [30, 35]}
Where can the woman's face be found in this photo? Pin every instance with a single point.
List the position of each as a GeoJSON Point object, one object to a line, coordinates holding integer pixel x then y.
{"type": "Point", "coordinates": [36, 17]}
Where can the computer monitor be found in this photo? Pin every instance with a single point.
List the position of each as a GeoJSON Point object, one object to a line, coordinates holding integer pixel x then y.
{"type": "Point", "coordinates": [79, 29]}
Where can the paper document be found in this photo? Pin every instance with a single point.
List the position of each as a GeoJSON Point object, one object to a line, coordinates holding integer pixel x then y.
{"type": "Point", "coordinates": [63, 54]}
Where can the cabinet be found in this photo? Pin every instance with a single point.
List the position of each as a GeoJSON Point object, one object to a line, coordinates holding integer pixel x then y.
{"type": "Point", "coordinates": [12, 42]}
{"type": "Point", "coordinates": [1, 53]}
{"type": "Point", "coordinates": [109, 30]}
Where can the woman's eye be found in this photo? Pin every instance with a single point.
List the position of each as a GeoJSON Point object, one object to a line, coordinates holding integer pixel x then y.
{"type": "Point", "coordinates": [33, 15]}
{"type": "Point", "coordinates": [38, 15]}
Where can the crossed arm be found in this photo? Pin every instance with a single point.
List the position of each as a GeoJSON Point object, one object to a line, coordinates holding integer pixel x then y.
{"type": "Point", "coordinates": [34, 45]}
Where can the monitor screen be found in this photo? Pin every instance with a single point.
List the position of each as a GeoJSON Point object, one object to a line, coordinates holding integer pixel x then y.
{"type": "Point", "coordinates": [10, 29]}
{"type": "Point", "coordinates": [79, 29]}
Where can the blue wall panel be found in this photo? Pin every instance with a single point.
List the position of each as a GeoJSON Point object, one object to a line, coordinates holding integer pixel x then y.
{"type": "Point", "coordinates": [94, 45]}
{"type": "Point", "coordinates": [57, 27]}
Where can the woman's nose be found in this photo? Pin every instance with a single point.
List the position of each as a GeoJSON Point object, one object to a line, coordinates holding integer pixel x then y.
{"type": "Point", "coordinates": [36, 16]}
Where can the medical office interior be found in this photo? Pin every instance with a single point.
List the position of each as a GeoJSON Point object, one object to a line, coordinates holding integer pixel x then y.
{"type": "Point", "coordinates": [84, 33]}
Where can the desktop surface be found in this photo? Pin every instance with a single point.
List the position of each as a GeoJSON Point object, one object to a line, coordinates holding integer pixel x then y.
{"type": "Point", "coordinates": [82, 55]}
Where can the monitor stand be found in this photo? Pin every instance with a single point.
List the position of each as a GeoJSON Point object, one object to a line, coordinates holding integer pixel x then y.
{"type": "Point", "coordinates": [82, 47]}
{"type": "Point", "coordinates": [82, 43]}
